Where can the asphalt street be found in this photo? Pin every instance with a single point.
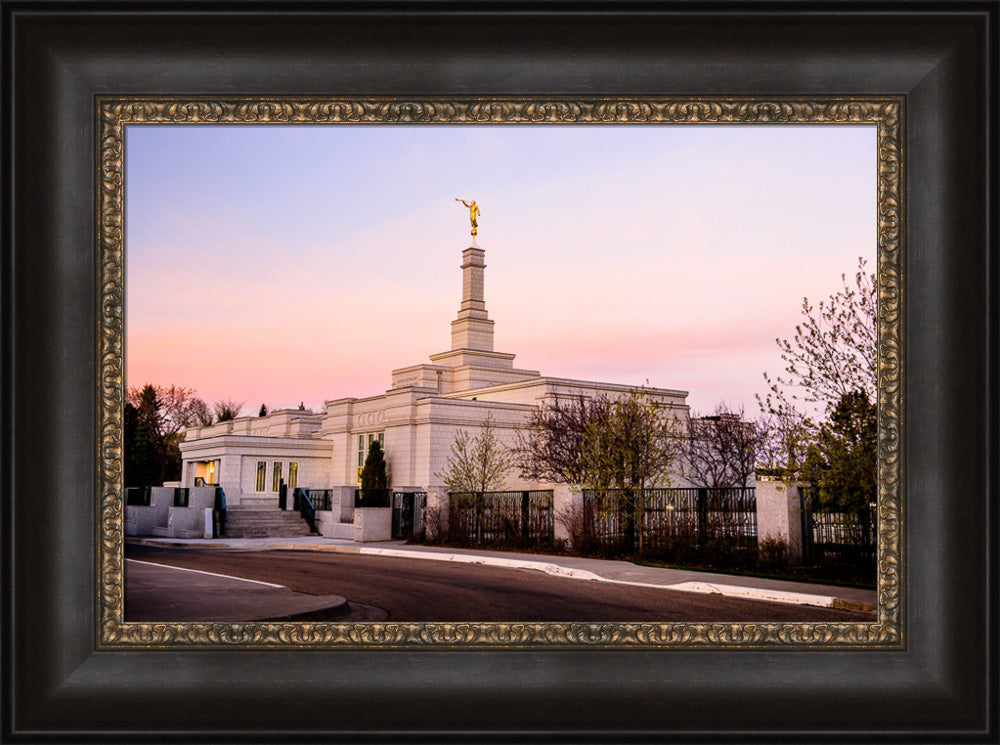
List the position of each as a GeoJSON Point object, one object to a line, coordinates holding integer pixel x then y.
{"type": "Point", "coordinates": [410, 590]}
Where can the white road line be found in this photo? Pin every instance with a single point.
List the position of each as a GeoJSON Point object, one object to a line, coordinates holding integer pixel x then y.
{"type": "Point", "coordinates": [210, 574]}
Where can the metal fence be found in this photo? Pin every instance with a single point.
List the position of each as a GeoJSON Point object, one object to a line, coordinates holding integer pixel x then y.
{"type": "Point", "coordinates": [373, 498]}
{"type": "Point", "coordinates": [137, 496]}
{"type": "Point", "coordinates": [837, 535]}
{"type": "Point", "coordinates": [501, 517]}
{"type": "Point", "coordinates": [322, 499]}
{"type": "Point", "coordinates": [408, 516]}
{"type": "Point", "coordinates": [181, 494]}
{"type": "Point", "coordinates": [668, 518]}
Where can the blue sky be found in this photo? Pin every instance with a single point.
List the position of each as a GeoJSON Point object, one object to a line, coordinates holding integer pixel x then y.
{"type": "Point", "coordinates": [280, 264]}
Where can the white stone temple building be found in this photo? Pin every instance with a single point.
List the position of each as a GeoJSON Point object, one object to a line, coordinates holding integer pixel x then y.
{"type": "Point", "coordinates": [416, 419]}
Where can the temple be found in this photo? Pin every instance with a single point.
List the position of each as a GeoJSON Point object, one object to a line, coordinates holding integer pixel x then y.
{"type": "Point", "coordinates": [415, 420]}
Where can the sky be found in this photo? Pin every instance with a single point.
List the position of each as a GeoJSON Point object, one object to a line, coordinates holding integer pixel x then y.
{"type": "Point", "coordinates": [280, 264]}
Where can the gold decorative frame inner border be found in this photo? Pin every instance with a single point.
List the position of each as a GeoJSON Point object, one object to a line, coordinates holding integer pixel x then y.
{"type": "Point", "coordinates": [113, 114]}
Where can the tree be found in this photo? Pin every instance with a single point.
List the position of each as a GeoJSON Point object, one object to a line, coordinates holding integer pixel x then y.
{"type": "Point", "coordinates": [227, 409]}
{"type": "Point", "coordinates": [722, 448]}
{"type": "Point", "coordinates": [833, 353]}
{"type": "Point", "coordinates": [162, 413]}
{"type": "Point", "coordinates": [632, 447]}
{"type": "Point", "coordinates": [203, 415]}
{"type": "Point", "coordinates": [834, 350]}
{"type": "Point", "coordinates": [550, 446]}
{"type": "Point", "coordinates": [842, 463]}
{"type": "Point", "coordinates": [263, 410]}
{"type": "Point", "coordinates": [787, 434]}
{"type": "Point", "coordinates": [374, 478]}
{"type": "Point", "coordinates": [476, 464]}
{"type": "Point", "coordinates": [139, 454]}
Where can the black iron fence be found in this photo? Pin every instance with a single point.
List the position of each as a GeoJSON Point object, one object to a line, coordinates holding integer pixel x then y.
{"type": "Point", "coordinates": [373, 497]}
{"type": "Point", "coordinates": [408, 514]}
{"type": "Point", "coordinates": [219, 513]}
{"type": "Point", "coordinates": [181, 494]}
{"type": "Point", "coordinates": [829, 533]}
{"type": "Point", "coordinates": [137, 496]}
{"type": "Point", "coordinates": [674, 519]}
{"type": "Point", "coordinates": [302, 504]}
{"type": "Point", "coordinates": [523, 517]}
{"type": "Point", "coordinates": [322, 499]}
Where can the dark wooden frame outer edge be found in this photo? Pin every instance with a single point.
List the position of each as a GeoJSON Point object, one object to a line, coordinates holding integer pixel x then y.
{"type": "Point", "coordinates": [58, 57]}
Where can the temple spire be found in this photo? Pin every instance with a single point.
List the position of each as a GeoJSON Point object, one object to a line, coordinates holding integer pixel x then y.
{"type": "Point", "coordinates": [472, 329]}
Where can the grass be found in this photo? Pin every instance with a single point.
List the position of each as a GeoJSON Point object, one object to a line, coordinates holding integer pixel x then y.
{"type": "Point", "coordinates": [809, 575]}
{"type": "Point", "coordinates": [789, 576]}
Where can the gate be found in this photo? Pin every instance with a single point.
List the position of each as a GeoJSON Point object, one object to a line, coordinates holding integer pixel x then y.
{"type": "Point", "coordinates": [849, 537]}
{"type": "Point", "coordinates": [404, 511]}
{"type": "Point", "coordinates": [808, 530]}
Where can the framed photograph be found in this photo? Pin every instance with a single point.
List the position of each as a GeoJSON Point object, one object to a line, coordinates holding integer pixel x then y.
{"type": "Point", "coordinates": [78, 668]}
{"type": "Point", "coordinates": [320, 289]}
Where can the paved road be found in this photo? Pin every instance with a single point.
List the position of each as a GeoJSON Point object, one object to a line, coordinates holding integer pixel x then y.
{"type": "Point", "coordinates": [428, 591]}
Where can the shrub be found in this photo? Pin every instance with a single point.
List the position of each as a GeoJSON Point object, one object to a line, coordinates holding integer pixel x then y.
{"type": "Point", "coordinates": [772, 554]}
{"type": "Point", "coordinates": [432, 524]}
{"type": "Point", "coordinates": [586, 544]}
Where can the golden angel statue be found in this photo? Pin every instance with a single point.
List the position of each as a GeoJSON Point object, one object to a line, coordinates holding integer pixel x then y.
{"type": "Point", "coordinates": [473, 213]}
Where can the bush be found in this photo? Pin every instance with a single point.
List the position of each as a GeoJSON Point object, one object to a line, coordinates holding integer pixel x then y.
{"type": "Point", "coordinates": [432, 525]}
{"type": "Point", "coordinates": [586, 544]}
{"type": "Point", "coordinates": [772, 554]}
{"type": "Point", "coordinates": [374, 476]}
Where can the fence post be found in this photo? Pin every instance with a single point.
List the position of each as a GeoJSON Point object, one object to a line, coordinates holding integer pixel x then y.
{"type": "Point", "coordinates": [436, 512]}
{"type": "Point", "coordinates": [702, 509]}
{"type": "Point", "coordinates": [567, 511]}
{"type": "Point", "coordinates": [779, 515]}
{"type": "Point", "coordinates": [525, 515]}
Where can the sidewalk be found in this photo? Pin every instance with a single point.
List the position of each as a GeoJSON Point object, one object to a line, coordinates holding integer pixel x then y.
{"type": "Point", "coordinates": [595, 570]}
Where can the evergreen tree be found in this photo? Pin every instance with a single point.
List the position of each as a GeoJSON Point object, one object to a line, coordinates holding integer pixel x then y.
{"type": "Point", "coordinates": [842, 463]}
{"type": "Point", "coordinates": [374, 479]}
{"type": "Point", "coordinates": [138, 453]}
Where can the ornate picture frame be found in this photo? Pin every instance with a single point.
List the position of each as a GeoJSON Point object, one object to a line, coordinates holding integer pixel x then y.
{"type": "Point", "coordinates": [74, 671]}
{"type": "Point", "coordinates": [886, 114]}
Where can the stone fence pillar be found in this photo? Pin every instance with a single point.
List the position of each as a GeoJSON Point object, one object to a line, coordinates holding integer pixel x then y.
{"type": "Point", "coordinates": [567, 509]}
{"type": "Point", "coordinates": [343, 507]}
{"type": "Point", "coordinates": [436, 513]}
{"type": "Point", "coordinates": [779, 515]}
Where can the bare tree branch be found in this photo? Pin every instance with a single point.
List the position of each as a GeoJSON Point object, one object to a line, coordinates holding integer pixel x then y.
{"type": "Point", "coordinates": [722, 448]}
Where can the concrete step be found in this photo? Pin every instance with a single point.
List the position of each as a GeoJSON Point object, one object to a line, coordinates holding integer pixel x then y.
{"type": "Point", "coordinates": [264, 526]}
{"type": "Point", "coordinates": [263, 520]}
{"type": "Point", "coordinates": [264, 523]}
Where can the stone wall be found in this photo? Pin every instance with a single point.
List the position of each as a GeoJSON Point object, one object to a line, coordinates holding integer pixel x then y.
{"type": "Point", "coordinates": [372, 524]}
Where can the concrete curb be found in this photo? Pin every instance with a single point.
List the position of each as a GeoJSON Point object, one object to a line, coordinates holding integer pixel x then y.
{"type": "Point", "coordinates": [540, 566]}
{"type": "Point", "coordinates": [704, 588]}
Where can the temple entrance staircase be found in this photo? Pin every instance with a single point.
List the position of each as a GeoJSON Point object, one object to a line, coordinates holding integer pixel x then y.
{"type": "Point", "coordinates": [264, 523]}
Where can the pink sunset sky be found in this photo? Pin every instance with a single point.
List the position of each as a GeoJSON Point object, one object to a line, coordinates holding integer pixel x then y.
{"type": "Point", "coordinates": [278, 264]}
